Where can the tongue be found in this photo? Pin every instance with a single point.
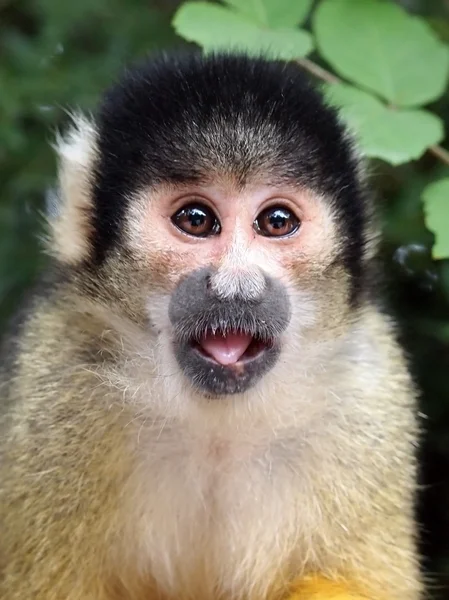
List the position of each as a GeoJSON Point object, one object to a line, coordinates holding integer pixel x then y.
{"type": "Point", "coordinates": [226, 349]}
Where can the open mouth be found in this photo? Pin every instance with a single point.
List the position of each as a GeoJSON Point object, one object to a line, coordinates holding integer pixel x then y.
{"type": "Point", "coordinates": [226, 345]}
{"type": "Point", "coordinates": [220, 361]}
{"type": "Point", "coordinates": [230, 348]}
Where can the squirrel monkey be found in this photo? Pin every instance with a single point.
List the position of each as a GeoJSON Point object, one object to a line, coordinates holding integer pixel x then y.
{"type": "Point", "coordinates": [204, 399]}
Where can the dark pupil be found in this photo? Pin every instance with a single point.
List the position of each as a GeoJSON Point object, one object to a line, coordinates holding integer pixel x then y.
{"type": "Point", "coordinates": [196, 216]}
{"type": "Point", "coordinates": [278, 219]}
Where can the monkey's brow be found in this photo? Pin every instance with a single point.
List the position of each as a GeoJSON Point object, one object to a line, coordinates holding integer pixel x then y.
{"type": "Point", "coordinates": [277, 181]}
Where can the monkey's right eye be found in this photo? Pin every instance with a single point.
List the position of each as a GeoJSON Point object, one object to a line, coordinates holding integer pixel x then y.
{"type": "Point", "coordinates": [197, 220]}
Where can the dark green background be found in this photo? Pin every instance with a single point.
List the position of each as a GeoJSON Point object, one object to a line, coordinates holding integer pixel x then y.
{"type": "Point", "coordinates": [59, 54]}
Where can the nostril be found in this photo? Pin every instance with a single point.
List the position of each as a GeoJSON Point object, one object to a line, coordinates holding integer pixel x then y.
{"type": "Point", "coordinates": [208, 283]}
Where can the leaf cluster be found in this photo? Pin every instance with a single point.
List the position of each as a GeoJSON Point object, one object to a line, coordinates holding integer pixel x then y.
{"type": "Point", "coordinates": [54, 56]}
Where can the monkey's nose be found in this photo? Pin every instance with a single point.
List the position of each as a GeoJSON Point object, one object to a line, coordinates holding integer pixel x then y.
{"type": "Point", "coordinates": [247, 284]}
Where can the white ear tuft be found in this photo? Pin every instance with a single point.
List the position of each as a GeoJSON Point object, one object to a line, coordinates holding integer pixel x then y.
{"type": "Point", "coordinates": [71, 218]}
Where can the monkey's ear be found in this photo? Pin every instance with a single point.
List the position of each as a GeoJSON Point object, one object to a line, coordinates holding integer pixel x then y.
{"type": "Point", "coordinates": [70, 214]}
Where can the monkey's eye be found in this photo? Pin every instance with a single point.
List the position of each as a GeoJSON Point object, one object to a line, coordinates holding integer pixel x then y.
{"type": "Point", "coordinates": [196, 220]}
{"type": "Point", "coordinates": [276, 221]}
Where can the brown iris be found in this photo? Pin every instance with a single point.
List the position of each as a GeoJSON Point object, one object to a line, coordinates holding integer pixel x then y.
{"type": "Point", "coordinates": [197, 220]}
{"type": "Point", "coordinates": [276, 221]}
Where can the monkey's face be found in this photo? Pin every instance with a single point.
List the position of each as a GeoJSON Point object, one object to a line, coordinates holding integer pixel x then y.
{"type": "Point", "coordinates": [237, 275]}
{"type": "Point", "coordinates": [217, 201]}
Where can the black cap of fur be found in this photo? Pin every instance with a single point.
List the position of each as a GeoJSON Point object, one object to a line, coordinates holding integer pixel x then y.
{"type": "Point", "coordinates": [181, 117]}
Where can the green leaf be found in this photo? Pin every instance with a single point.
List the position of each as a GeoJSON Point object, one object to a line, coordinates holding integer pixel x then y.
{"type": "Point", "coordinates": [216, 28]}
{"type": "Point", "coordinates": [377, 45]}
{"type": "Point", "coordinates": [436, 212]}
{"type": "Point", "coordinates": [273, 13]}
{"type": "Point", "coordinates": [396, 136]}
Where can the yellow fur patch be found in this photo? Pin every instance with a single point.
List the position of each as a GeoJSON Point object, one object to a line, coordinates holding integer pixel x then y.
{"type": "Point", "coordinates": [318, 588]}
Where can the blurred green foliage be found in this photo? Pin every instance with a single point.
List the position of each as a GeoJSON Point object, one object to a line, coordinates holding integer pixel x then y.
{"type": "Point", "coordinates": [57, 55]}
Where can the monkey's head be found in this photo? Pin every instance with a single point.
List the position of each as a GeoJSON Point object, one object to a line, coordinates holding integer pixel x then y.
{"type": "Point", "coordinates": [216, 203]}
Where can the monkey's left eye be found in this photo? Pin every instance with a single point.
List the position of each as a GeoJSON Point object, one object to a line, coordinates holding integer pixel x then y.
{"type": "Point", "coordinates": [197, 220]}
{"type": "Point", "coordinates": [276, 221]}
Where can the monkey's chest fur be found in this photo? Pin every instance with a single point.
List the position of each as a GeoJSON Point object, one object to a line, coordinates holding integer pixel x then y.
{"type": "Point", "coordinates": [218, 516]}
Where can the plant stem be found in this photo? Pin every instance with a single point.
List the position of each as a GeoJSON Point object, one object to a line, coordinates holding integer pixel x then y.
{"type": "Point", "coordinates": [441, 153]}
{"type": "Point", "coordinates": [318, 71]}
